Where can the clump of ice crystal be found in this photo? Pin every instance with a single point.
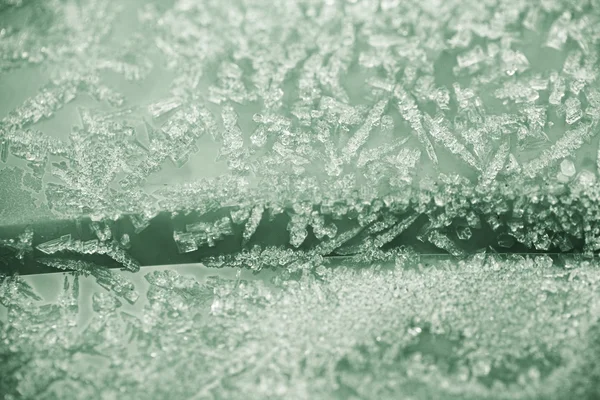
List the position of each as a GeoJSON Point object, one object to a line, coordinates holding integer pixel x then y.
{"type": "Point", "coordinates": [350, 126]}
{"type": "Point", "coordinates": [364, 97]}
{"type": "Point", "coordinates": [425, 327]}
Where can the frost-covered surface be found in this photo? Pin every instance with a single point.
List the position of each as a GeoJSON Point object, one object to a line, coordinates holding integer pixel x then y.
{"type": "Point", "coordinates": [484, 328]}
{"type": "Point", "coordinates": [297, 132]}
{"type": "Point", "coordinates": [436, 106]}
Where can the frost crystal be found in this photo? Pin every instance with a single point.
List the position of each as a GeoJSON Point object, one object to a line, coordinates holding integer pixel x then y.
{"type": "Point", "coordinates": [572, 140]}
{"type": "Point", "coordinates": [253, 221]}
{"type": "Point", "coordinates": [111, 249]}
{"type": "Point", "coordinates": [573, 110]}
{"type": "Point", "coordinates": [22, 246]}
{"type": "Point", "coordinates": [186, 242]}
{"type": "Point", "coordinates": [410, 112]}
{"type": "Point", "coordinates": [361, 136]}
{"type": "Point", "coordinates": [106, 278]}
{"type": "Point", "coordinates": [55, 245]}
{"type": "Point", "coordinates": [206, 233]}
{"type": "Point", "coordinates": [463, 232]}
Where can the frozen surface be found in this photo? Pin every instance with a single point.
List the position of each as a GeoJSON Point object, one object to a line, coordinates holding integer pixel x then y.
{"type": "Point", "coordinates": [312, 109]}
{"type": "Point", "coordinates": [315, 151]}
{"type": "Point", "coordinates": [430, 328]}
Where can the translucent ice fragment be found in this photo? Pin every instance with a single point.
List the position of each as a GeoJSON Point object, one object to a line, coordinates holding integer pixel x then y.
{"type": "Point", "coordinates": [184, 123]}
{"type": "Point", "coordinates": [104, 303]}
{"type": "Point", "coordinates": [495, 165]}
{"type": "Point", "coordinates": [461, 39]}
{"type": "Point", "coordinates": [442, 98]}
{"type": "Point", "coordinates": [405, 162]}
{"type": "Point", "coordinates": [210, 123]}
{"type": "Point", "coordinates": [55, 245]}
{"type": "Point", "coordinates": [563, 243]}
{"type": "Point", "coordinates": [593, 98]}
{"type": "Point", "coordinates": [506, 241]}
{"type": "Point", "coordinates": [532, 19]}
{"type": "Point", "coordinates": [535, 117]}
{"type": "Point", "coordinates": [586, 178]}
{"type": "Point", "coordinates": [573, 112]}
{"type": "Point", "coordinates": [443, 242]}
{"type": "Point", "coordinates": [42, 105]}
{"type": "Point", "coordinates": [559, 31]}
{"type": "Point", "coordinates": [387, 125]}
{"type": "Point", "coordinates": [470, 57]}
{"type": "Point", "coordinates": [3, 149]}
{"type": "Point", "coordinates": [518, 91]}
{"type": "Point", "coordinates": [125, 241]}
{"type": "Point", "coordinates": [473, 219]}
{"type": "Point", "coordinates": [252, 223]}
{"type": "Point", "coordinates": [514, 61]}
{"type": "Point", "coordinates": [543, 242]}
{"type": "Point", "coordinates": [568, 168]}
{"type": "Point", "coordinates": [395, 231]}
{"type": "Point", "coordinates": [463, 232]}
{"type": "Point", "coordinates": [139, 222]}
{"type": "Point", "coordinates": [22, 245]}
{"type": "Point", "coordinates": [410, 112]}
{"type": "Point", "coordinates": [362, 134]}
{"type": "Point", "coordinates": [379, 83]}
{"type": "Point", "coordinates": [233, 140]}
{"type": "Point", "coordinates": [15, 291]}
{"type": "Point", "coordinates": [386, 222]}
{"type": "Point", "coordinates": [259, 136]}
{"type": "Point", "coordinates": [572, 140]}
{"type": "Point", "coordinates": [320, 228]}
{"type": "Point", "coordinates": [512, 166]}
{"type": "Point", "coordinates": [186, 242]}
{"type": "Point", "coordinates": [329, 246]}
{"type": "Point", "coordinates": [562, 177]}
{"type": "Point", "coordinates": [558, 88]}
{"type": "Point", "coordinates": [368, 155]}
{"type": "Point", "coordinates": [90, 246]}
{"type": "Point", "coordinates": [464, 96]}
{"type": "Point", "coordinates": [442, 135]}
{"type": "Point", "coordinates": [231, 85]}
{"type": "Point", "coordinates": [103, 233]}
{"type": "Point", "coordinates": [207, 233]}
{"type": "Point", "coordinates": [162, 107]}
{"type": "Point", "coordinates": [297, 229]}
{"type": "Point", "coordinates": [114, 251]}
{"type": "Point", "coordinates": [105, 277]}
{"type": "Point", "coordinates": [239, 216]}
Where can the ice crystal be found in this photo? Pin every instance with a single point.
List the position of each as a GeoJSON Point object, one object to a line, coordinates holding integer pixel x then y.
{"type": "Point", "coordinates": [105, 277]}
{"type": "Point", "coordinates": [185, 241]}
{"type": "Point", "coordinates": [205, 233]}
{"type": "Point", "coordinates": [22, 246]}
{"type": "Point", "coordinates": [573, 110]}
{"type": "Point", "coordinates": [111, 249]}
{"type": "Point", "coordinates": [253, 221]}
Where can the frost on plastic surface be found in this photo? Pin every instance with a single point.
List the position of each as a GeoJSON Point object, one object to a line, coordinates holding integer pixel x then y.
{"type": "Point", "coordinates": [260, 115]}
{"type": "Point", "coordinates": [325, 330]}
{"type": "Point", "coordinates": [318, 107]}
{"type": "Point", "coordinates": [341, 128]}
